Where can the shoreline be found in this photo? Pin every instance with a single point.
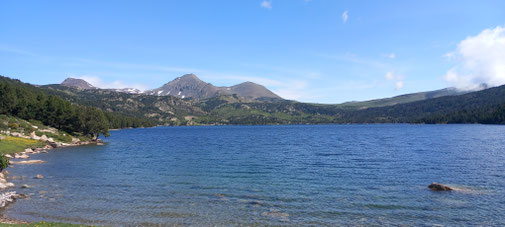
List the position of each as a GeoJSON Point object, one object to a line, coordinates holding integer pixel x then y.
{"type": "Point", "coordinates": [10, 196]}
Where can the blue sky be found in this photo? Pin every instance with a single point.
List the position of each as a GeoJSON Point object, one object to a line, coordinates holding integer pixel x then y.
{"type": "Point", "coordinates": [315, 51]}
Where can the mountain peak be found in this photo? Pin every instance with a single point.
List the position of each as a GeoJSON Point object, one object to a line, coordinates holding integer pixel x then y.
{"type": "Point", "coordinates": [253, 90]}
{"type": "Point", "coordinates": [190, 76]}
{"type": "Point", "coordinates": [77, 83]}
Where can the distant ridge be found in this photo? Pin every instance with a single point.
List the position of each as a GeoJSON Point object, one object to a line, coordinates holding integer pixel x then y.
{"type": "Point", "coordinates": [406, 98]}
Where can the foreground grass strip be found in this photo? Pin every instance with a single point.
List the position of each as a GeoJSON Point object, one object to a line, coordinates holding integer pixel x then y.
{"type": "Point", "coordinates": [12, 144]}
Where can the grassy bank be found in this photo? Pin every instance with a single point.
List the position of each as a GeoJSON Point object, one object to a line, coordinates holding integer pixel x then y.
{"type": "Point", "coordinates": [11, 144]}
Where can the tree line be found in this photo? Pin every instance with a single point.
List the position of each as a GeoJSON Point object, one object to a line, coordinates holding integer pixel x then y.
{"type": "Point", "coordinates": [29, 102]}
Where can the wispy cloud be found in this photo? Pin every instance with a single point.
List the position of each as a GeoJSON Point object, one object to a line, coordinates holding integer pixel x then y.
{"type": "Point", "coordinates": [480, 60]}
{"type": "Point", "coordinates": [148, 67]}
{"type": "Point", "coordinates": [353, 58]}
{"type": "Point", "coordinates": [345, 16]}
{"type": "Point", "coordinates": [9, 49]}
{"type": "Point", "coordinates": [266, 4]}
{"type": "Point", "coordinates": [99, 82]}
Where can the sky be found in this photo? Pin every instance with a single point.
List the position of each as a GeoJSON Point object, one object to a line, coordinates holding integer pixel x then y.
{"type": "Point", "coordinates": [321, 51]}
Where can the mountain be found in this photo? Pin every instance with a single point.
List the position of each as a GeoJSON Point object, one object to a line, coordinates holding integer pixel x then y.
{"type": "Point", "coordinates": [401, 99]}
{"type": "Point", "coordinates": [190, 86]}
{"type": "Point", "coordinates": [252, 91]}
{"type": "Point", "coordinates": [77, 83]}
{"type": "Point", "coordinates": [186, 86]}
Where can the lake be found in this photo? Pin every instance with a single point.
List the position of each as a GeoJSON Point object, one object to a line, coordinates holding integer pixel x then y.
{"type": "Point", "coordinates": [273, 175]}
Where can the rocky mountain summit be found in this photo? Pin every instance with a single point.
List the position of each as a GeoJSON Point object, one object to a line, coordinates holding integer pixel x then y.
{"type": "Point", "coordinates": [77, 83]}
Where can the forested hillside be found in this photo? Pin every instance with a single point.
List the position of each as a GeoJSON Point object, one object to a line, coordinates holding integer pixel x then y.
{"type": "Point", "coordinates": [31, 103]}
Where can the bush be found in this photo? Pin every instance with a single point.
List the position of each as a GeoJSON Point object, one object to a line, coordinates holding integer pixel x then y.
{"type": "Point", "coordinates": [4, 162]}
{"type": "Point", "coordinates": [13, 125]}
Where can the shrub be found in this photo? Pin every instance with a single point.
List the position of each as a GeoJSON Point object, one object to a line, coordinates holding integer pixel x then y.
{"type": "Point", "coordinates": [13, 125]}
{"type": "Point", "coordinates": [4, 162]}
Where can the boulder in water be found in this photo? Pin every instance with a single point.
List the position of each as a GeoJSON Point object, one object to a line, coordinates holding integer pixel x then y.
{"type": "Point", "coordinates": [439, 187]}
{"type": "Point", "coordinates": [53, 144]}
{"type": "Point", "coordinates": [38, 176]}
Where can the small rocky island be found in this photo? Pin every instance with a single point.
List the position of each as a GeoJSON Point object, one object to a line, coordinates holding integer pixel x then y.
{"type": "Point", "coordinates": [439, 187]}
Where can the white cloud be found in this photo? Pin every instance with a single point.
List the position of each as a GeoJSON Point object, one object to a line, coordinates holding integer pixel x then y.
{"type": "Point", "coordinates": [266, 4]}
{"type": "Point", "coordinates": [480, 60]}
{"type": "Point", "coordinates": [390, 55]}
{"type": "Point", "coordinates": [390, 76]}
{"type": "Point", "coordinates": [98, 82]}
{"type": "Point", "coordinates": [293, 90]}
{"type": "Point", "coordinates": [394, 77]}
{"type": "Point", "coordinates": [345, 16]}
{"type": "Point", "coordinates": [398, 85]}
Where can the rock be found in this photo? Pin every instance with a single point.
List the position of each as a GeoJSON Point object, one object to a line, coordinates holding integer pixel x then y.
{"type": "Point", "coordinates": [275, 214]}
{"type": "Point", "coordinates": [25, 186]}
{"type": "Point", "coordinates": [8, 156]}
{"type": "Point", "coordinates": [29, 151]}
{"type": "Point", "coordinates": [44, 151]}
{"type": "Point", "coordinates": [17, 134]}
{"type": "Point", "coordinates": [51, 140]}
{"type": "Point", "coordinates": [7, 197]}
{"type": "Point", "coordinates": [34, 136]}
{"type": "Point", "coordinates": [43, 138]}
{"type": "Point", "coordinates": [100, 144]}
{"type": "Point", "coordinates": [22, 156]}
{"type": "Point", "coordinates": [439, 187]}
{"type": "Point", "coordinates": [53, 144]}
{"type": "Point", "coordinates": [22, 196]}
{"type": "Point", "coordinates": [27, 162]}
{"type": "Point", "coordinates": [38, 176]}
{"type": "Point", "coordinates": [75, 140]}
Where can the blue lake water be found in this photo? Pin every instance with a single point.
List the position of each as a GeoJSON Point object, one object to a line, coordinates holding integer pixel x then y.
{"type": "Point", "coordinates": [273, 175]}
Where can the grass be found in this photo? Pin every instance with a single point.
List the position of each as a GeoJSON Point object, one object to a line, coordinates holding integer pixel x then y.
{"type": "Point", "coordinates": [11, 144]}
{"type": "Point", "coordinates": [41, 224]}
{"type": "Point", "coordinates": [66, 138]}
